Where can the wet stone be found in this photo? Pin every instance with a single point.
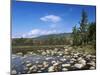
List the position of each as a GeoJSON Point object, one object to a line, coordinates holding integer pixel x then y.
{"type": "Point", "coordinates": [14, 72]}
{"type": "Point", "coordinates": [29, 64]}
{"type": "Point", "coordinates": [19, 53]}
{"type": "Point", "coordinates": [51, 69]}
{"type": "Point", "coordinates": [40, 66]}
{"type": "Point", "coordinates": [82, 61]}
{"type": "Point", "coordinates": [92, 68]}
{"type": "Point", "coordinates": [79, 66]}
{"type": "Point", "coordinates": [32, 67]}
{"type": "Point", "coordinates": [45, 64]}
{"type": "Point", "coordinates": [53, 61]}
{"type": "Point", "coordinates": [66, 65]}
{"type": "Point", "coordinates": [64, 69]}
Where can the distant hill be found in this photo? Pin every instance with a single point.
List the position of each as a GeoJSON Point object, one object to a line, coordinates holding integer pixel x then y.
{"type": "Point", "coordinates": [61, 35]}
{"type": "Point", "coordinates": [52, 39]}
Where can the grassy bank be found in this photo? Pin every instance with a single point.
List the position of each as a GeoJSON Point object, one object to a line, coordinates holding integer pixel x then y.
{"type": "Point", "coordinates": [25, 49]}
{"type": "Point", "coordinates": [88, 49]}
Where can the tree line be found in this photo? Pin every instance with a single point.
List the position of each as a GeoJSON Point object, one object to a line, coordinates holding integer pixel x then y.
{"type": "Point", "coordinates": [48, 41]}
{"type": "Point", "coordinates": [86, 33]}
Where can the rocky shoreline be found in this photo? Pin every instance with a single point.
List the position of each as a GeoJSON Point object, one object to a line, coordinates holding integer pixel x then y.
{"type": "Point", "coordinates": [56, 60]}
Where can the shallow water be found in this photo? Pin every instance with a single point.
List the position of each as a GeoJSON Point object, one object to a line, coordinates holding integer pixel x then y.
{"type": "Point", "coordinates": [17, 61]}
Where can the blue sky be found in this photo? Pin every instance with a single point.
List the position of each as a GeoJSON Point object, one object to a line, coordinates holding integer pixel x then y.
{"type": "Point", "coordinates": [32, 19]}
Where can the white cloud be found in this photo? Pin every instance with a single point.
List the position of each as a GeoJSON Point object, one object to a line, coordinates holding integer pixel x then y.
{"type": "Point", "coordinates": [34, 31]}
{"type": "Point", "coordinates": [38, 32]}
{"type": "Point", "coordinates": [51, 18]}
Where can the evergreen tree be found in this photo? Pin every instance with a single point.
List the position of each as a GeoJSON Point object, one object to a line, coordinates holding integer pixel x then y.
{"type": "Point", "coordinates": [92, 33]}
{"type": "Point", "coordinates": [83, 27]}
{"type": "Point", "coordinates": [74, 35]}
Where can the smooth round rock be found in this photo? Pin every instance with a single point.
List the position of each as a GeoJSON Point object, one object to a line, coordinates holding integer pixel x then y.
{"type": "Point", "coordinates": [51, 69]}
{"type": "Point", "coordinates": [64, 69]}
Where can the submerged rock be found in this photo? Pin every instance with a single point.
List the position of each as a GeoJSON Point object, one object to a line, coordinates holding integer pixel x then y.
{"type": "Point", "coordinates": [26, 68]}
{"type": "Point", "coordinates": [28, 61]}
{"type": "Point", "coordinates": [37, 62]}
{"type": "Point", "coordinates": [48, 58]}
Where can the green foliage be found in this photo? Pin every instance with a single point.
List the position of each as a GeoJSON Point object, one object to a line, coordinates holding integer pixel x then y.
{"type": "Point", "coordinates": [92, 34]}
{"type": "Point", "coordinates": [83, 22]}
{"type": "Point", "coordinates": [86, 33]}
{"type": "Point", "coordinates": [75, 35]}
{"type": "Point", "coordinates": [83, 27]}
{"type": "Point", "coordinates": [18, 40]}
{"type": "Point", "coordinates": [53, 39]}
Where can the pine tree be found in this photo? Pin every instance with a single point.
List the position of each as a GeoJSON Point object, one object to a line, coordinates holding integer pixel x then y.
{"type": "Point", "coordinates": [92, 34]}
{"type": "Point", "coordinates": [83, 27]}
{"type": "Point", "coordinates": [74, 35]}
